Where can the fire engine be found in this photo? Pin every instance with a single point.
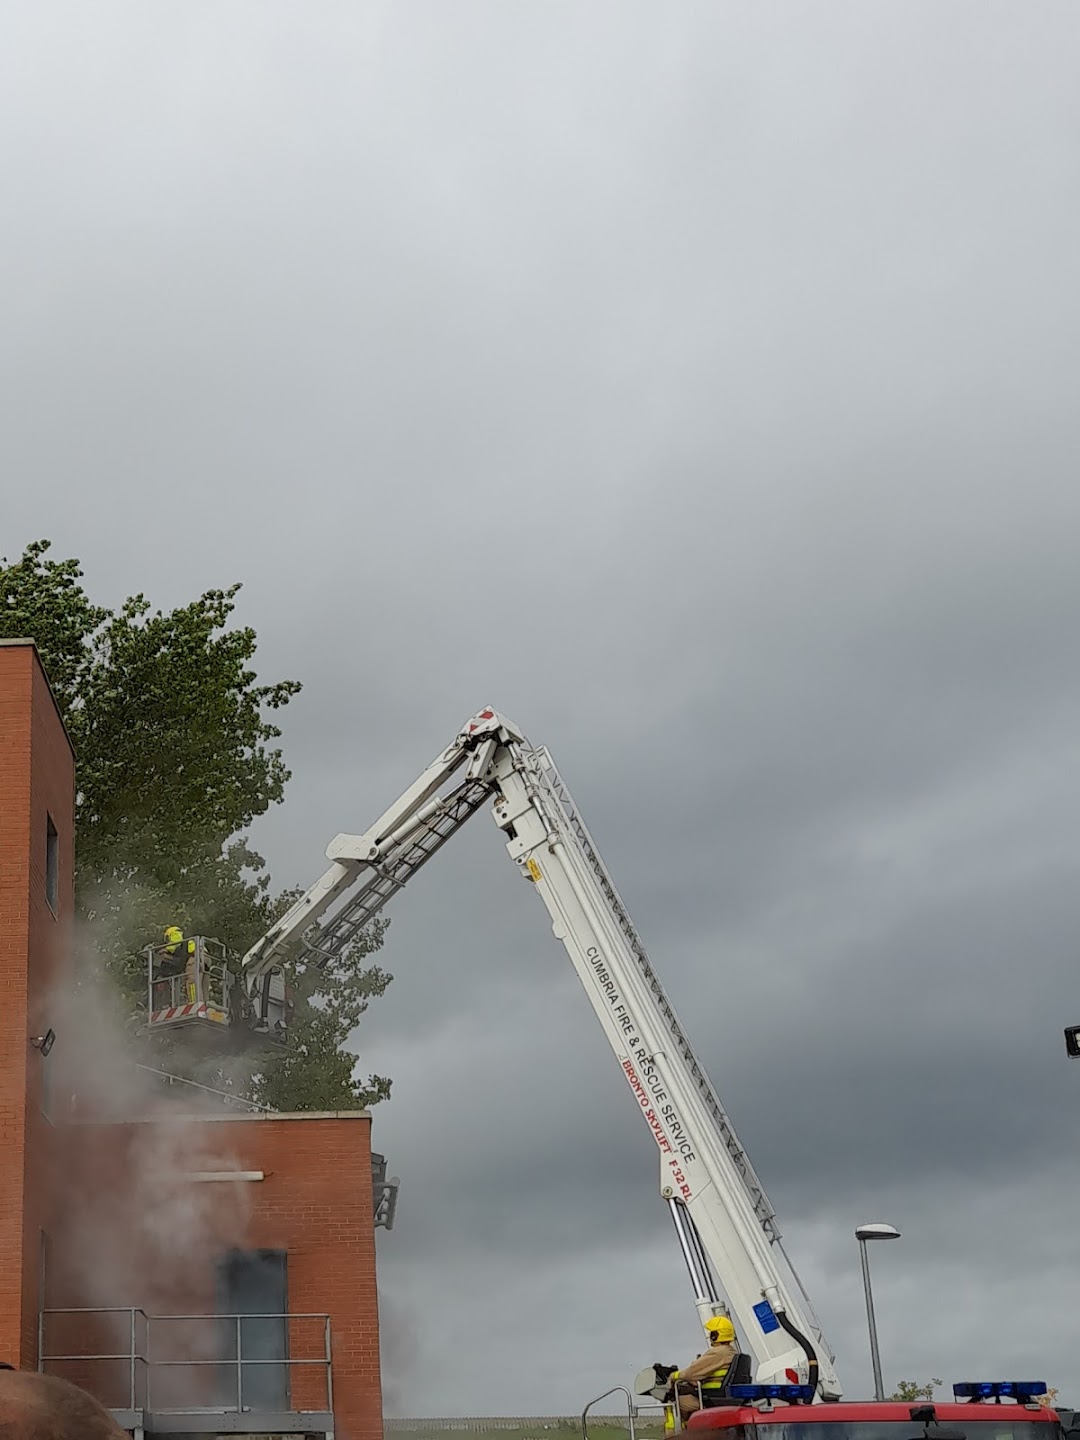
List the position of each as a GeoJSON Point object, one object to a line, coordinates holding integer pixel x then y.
{"type": "Point", "coordinates": [725, 1226]}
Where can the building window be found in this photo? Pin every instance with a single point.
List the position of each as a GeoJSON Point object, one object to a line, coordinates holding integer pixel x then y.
{"type": "Point", "coordinates": [52, 866]}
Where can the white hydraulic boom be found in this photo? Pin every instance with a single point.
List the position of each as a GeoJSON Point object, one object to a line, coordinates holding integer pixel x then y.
{"type": "Point", "coordinates": [723, 1219]}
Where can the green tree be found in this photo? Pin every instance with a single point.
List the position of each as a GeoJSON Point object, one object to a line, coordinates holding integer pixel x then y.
{"type": "Point", "coordinates": [43, 600]}
{"type": "Point", "coordinates": [316, 1068]}
{"type": "Point", "coordinates": [912, 1390]}
{"type": "Point", "coordinates": [176, 757]}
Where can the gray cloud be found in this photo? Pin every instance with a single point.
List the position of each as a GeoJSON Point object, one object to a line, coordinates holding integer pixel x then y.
{"type": "Point", "coordinates": [697, 386]}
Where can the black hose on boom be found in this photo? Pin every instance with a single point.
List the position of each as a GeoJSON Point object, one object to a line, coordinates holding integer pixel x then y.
{"type": "Point", "coordinates": [804, 1343]}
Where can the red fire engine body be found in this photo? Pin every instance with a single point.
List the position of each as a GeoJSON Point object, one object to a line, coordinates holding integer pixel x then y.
{"type": "Point", "coordinates": [872, 1420]}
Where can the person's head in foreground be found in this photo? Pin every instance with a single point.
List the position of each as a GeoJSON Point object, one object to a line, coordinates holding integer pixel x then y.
{"type": "Point", "coordinates": [43, 1407]}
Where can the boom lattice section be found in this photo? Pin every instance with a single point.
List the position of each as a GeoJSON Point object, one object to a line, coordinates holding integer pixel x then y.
{"type": "Point", "coordinates": [393, 872]}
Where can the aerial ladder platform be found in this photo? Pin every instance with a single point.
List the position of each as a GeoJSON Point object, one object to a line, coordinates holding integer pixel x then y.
{"type": "Point", "coordinates": [725, 1226]}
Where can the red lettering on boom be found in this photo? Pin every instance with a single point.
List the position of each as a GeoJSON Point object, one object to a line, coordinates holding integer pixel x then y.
{"type": "Point", "coordinates": [650, 1115]}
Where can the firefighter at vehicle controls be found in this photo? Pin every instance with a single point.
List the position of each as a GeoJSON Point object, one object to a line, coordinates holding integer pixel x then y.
{"type": "Point", "coordinates": [175, 947]}
{"type": "Point", "coordinates": [708, 1370]}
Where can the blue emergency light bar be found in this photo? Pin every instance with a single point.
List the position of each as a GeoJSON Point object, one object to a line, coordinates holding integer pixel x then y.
{"type": "Point", "coordinates": [793, 1393]}
{"type": "Point", "coordinates": [1024, 1390]}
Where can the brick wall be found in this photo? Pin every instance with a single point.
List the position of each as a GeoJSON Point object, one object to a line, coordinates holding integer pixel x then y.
{"type": "Point", "coordinates": [140, 1234]}
{"type": "Point", "coordinates": [36, 781]}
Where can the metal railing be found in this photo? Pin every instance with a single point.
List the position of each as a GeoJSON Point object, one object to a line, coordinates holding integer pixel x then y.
{"type": "Point", "coordinates": [531, 1425]}
{"type": "Point", "coordinates": [136, 1361]}
{"type": "Point", "coordinates": [481, 1424]}
{"type": "Point", "coordinates": [215, 1350]}
{"type": "Point", "coordinates": [634, 1411]}
{"type": "Point", "coordinates": [228, 1097]}
{"type": "Point", "coordinates": [630, 1415]}
{"type": "Point", "coordinates": [202, 975]}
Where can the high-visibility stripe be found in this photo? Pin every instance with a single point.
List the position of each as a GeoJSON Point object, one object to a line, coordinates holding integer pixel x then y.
{"type": "Point", "coordinates": [201, 1010]}
{"type": "Point", "coordinates": [715, 1380]}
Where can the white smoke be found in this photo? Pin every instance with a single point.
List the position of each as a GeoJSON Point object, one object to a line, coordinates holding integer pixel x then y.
{"type": "Point", "coordinates": [399, 1348]}
{"type": "Point", "coordinates": [136, 1228]}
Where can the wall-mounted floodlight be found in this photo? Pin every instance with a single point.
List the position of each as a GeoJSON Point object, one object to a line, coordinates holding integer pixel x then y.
{"type": "Point", "coordinates": [44, 1043]}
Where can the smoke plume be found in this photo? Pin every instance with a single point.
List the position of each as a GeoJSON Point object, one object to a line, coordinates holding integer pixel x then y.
{"type": "Point", "coordinates": [136, 1227]}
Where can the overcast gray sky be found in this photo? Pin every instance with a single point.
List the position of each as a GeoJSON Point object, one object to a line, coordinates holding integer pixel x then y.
{"type": "Point", "coordinates": [697, 384]}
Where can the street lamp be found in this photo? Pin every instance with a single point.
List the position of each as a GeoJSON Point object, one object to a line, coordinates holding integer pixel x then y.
{"type": "Point", "coordinates": [864, 1234]}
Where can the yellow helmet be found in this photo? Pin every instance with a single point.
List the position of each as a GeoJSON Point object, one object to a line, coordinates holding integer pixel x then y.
{"type": "Point", "coordinates": [173, 932]}
{"type": "Point", "coordinates": [719, 1327]}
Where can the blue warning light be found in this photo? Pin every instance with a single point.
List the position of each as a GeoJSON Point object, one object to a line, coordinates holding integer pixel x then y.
{"type": "Point", "coordinates": [795, 1394]}
{"type": "Point", "coordinates": [1023, 1390]}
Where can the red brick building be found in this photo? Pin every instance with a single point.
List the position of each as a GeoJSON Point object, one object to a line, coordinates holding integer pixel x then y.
{"type": "Point", "coordinates": [200, 1270]}
{"type": "Point", "coordinates": [37, 824]}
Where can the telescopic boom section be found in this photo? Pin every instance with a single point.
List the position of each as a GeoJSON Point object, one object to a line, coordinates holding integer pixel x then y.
{"type": "Point", "coordinates": [724, 1222]}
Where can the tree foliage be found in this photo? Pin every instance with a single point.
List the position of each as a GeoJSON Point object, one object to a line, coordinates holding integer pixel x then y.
{"type": "Point", "coordinates": [43, 600]}
{"type": "Point", "coordinates": [912, 1390]}
{"type": "Point", "coordinates": [176, 755]}
{"type": "Point", "coordinates": [176, 751]}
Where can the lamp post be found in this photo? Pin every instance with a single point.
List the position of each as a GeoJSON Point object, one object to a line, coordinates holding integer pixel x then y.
{"type": "Point", "coordinates": [864, 1234]}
